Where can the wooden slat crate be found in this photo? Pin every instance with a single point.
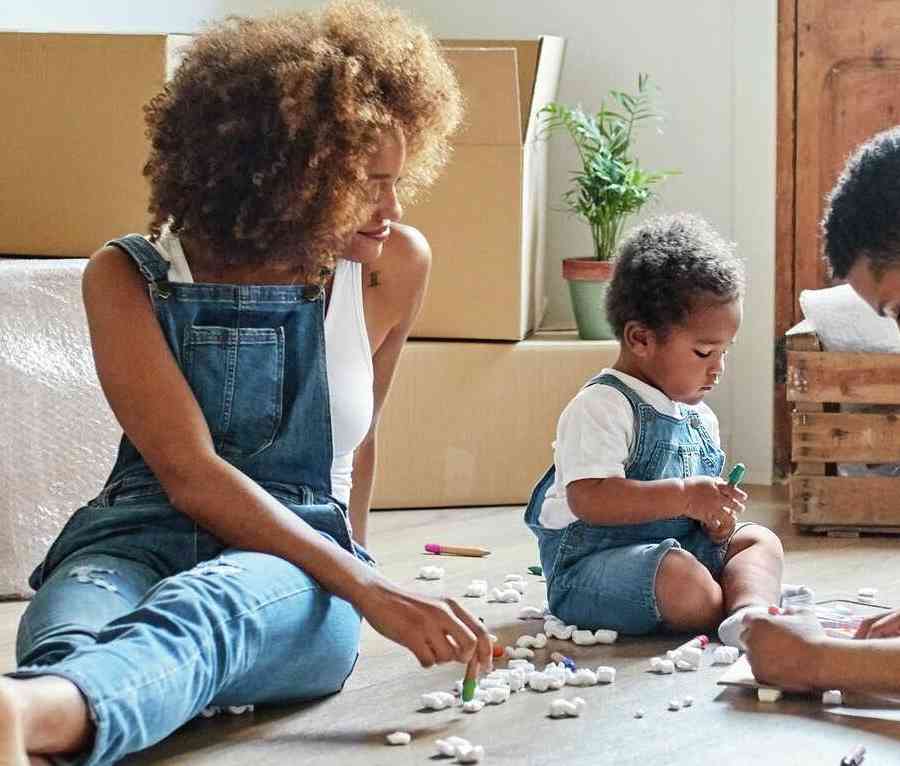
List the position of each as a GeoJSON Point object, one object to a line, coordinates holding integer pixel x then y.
{"type": "Point", "coordinates": [821, 436]}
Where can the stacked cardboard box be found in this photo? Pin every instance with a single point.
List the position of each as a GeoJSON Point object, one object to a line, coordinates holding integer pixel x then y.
{"type": "Point", "coordinates": [469, 421]}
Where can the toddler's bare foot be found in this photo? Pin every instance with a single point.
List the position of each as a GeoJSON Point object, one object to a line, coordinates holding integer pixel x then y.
{"type": "Point", "coordinates": [12, 739]}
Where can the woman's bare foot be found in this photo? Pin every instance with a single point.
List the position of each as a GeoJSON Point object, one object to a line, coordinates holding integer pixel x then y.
{"type": "Point", "coordinates": [12, 736]}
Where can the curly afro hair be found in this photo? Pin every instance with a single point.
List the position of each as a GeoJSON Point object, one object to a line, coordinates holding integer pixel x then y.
{"type": "Point", "coordinates": [260, 141]}
{"type": "Point", "coordinates": [862, 217]}
{"type": "Point", "coordinates": [666, 268]}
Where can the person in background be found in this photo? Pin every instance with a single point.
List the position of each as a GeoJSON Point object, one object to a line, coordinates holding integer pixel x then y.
{"type": "Point", "coordinates": [861, 233]}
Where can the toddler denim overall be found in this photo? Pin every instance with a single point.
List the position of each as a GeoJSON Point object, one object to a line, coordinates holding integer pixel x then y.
{"type": "Point", "coordinates": [151, 616]}
{"type": "Point", "coordinates": [604, 576]}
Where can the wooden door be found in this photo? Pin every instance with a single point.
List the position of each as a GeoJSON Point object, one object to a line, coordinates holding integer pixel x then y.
{"type": "Point", "coordinates": [839, 83]}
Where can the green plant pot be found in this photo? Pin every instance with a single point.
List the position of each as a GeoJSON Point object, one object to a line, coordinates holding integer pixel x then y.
{"type": "Point", "coordinates": [588, 284]}
{"type": "Point", "coordinates": [589, 305]}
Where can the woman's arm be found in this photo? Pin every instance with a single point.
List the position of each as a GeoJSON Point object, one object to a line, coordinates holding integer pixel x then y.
{"type": "Point", "coordinates": [793, 652]}
{"type": "Point", "coordinates": [393, 303]}
{"type": "Point", "coordinates": [158, 412]}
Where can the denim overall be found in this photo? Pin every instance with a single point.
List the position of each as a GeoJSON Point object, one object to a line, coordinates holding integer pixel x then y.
{"type": "Point", "coordinates": [150, 615]}
{"type": "Point", "coordinates": [604, 576]}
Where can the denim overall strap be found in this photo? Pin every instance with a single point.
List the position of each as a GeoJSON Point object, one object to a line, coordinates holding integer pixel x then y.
{"type": "Point", "coordinates": [254, 357]}
{"type": "Point", "coordinates": [153, 266]}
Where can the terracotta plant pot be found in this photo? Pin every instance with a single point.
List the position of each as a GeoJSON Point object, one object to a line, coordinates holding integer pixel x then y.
{"type": "Point", "coordinates": [589, 281]}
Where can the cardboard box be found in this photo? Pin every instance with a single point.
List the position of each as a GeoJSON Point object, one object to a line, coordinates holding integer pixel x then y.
{"type": "Point", "coordinates": [72, 144]}
{"type": "Point", "coordinates": [485, 218]}
{"type": "Point", "coordinates": [473, 423]}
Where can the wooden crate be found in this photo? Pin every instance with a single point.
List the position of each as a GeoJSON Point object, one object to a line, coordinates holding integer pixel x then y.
{"type": "Point", "coordinates": [818, 382]}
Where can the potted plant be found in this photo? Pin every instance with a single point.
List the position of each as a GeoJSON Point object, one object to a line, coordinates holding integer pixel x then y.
{"type": "Point", "coordinates": [609, 187]}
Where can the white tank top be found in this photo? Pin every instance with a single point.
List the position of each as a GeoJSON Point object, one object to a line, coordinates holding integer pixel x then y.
{"type": "Point", "coordinates": [348, 358]}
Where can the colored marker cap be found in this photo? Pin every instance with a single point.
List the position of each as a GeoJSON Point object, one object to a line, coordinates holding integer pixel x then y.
{"type": "Point", "coordinates": [737, 474]}
{"type": "Point", "coordinates": [432, 548]}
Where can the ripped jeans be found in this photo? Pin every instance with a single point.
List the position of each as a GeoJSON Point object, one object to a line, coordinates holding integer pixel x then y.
{"type": "Point", "coordinates": [149, 652]}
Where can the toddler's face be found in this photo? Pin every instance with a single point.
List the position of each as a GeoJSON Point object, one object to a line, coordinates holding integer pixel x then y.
{"type": "Point", "coordinates": [691, 360]}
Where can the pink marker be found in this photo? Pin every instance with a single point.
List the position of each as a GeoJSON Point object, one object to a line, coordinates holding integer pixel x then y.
{"type": "Point", "coordinates": [455, 550]}
{"type": "Point", "coordinates": [701, 642]}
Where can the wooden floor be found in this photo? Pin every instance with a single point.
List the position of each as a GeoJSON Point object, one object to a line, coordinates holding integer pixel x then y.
{"type": "Point", "coordinates": [724, 726]}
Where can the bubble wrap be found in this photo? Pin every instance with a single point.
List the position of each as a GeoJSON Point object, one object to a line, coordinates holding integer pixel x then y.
{"type": "Point", "coordinates": [58, 437]}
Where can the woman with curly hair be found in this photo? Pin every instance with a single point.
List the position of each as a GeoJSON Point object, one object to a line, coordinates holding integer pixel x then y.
{"type": "Point", "coordinates": [246, 347]}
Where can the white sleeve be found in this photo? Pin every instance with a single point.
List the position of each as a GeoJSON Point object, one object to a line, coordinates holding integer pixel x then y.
{"type": "Point", "coordinates": [594, 435]}
{"type": "Point", "coordinates": [710, 421]}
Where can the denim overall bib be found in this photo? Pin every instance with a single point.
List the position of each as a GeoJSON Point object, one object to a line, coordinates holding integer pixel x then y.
{"type": "Point", "coordinates": [150, 615]}
{"type": "Point", "coordinates": [604, 576]}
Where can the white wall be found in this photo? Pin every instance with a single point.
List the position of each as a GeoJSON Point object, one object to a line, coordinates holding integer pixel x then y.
{"type": "Point", "coordinates": [714, 61]}
{"type": "Point", "coordinates": [107, 15]}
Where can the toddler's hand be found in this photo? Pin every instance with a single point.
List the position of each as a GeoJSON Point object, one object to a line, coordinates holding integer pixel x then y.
{"type": "Point", "coordinates": [714, 503]}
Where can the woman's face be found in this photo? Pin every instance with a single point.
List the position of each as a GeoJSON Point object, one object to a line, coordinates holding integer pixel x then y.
{"type": "Point", "coordinates": [384, 172]}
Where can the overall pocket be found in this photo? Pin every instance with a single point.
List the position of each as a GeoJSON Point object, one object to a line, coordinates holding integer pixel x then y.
{"type": "Point", "coordinates": [237, 376]}
{"type": "Point", "coordinates": [674, 461]}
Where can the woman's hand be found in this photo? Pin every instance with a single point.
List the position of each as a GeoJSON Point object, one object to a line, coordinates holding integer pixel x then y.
{"type": "Point", "coordinates": [715, 504]}
{"type": "Point", "coordinates": [434, 630]}
{"type": "Point", "coordinates": [783, 650]}
{"type": "Point", "coordinates": [884, 625]}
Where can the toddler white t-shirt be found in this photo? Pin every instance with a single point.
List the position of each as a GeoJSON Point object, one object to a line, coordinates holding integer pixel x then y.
{"type": "Point", "coordinates": [595, 435]}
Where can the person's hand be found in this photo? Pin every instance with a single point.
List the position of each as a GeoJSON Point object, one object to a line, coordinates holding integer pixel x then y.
{"type": "Point", "coordinates": [715, 504]}
{"type": "Point", "coordinates": [434, 630]}
{"type": "Point", "coordinates": [883, 625]}
{"type": "Point", "coordinates": [783, 649]}
{"type": "Point", "coordinates": [723, 533]}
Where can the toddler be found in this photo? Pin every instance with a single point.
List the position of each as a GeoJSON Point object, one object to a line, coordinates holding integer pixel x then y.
{"type": "Point", "coordinates": [636, 529]}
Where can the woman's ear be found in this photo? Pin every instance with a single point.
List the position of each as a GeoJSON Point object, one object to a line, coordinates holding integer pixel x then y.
{"type": "Point", "coordinates": [639, 339]}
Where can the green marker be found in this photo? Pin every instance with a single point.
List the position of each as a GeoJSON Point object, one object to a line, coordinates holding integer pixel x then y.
{"type": "Point", "coordinates": [535, 570]}
{"type": "Point", "coordinates": [737, 474]}
{"type": "Point", "coordinates": [468, 692]}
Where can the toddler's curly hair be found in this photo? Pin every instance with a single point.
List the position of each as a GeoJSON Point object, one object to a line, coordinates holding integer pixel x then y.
{"type": "Point", "coordinates": [261, 139]}
{"type": "Point", "coordinates": [665, 268]}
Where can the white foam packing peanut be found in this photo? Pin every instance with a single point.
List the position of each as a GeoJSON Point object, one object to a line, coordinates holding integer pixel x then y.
{"type": "Point", "coordinates": [469, 754]}
{"type": "Point", "coordinates": [518, 652]}
{"type": "Point", "coordinates": [65, 432]}
{"type": "Point", "coordinates": [531, 613]}
{"type": "Point", "coordinates": [764, 694]}
{"type": "Point", "coordinates": [726, 655]}
{"type": "Point", "coordinates": [431, 573]}
{"type": "Point", "coordinates": [496, 695]}
{"type": "Point", "coordinates": [567, 708]}
{"type": "Point", "coordinates": [399, 738]}
{"type": "Point", "coordinates": [450, 745]}
{"type": "Point", "coordinates": [518, 585]}
{"type": "Point", "coordinates": [683, 665]}
{"type": "Point", "coordinates": [556, 628]}
{"type": "Point", "coordinates": [664, 667]}
{"type": "Point", "coordinates": [532, 642]}
{"type": "Point", "coordinates": [525, 665]}
{"type": "Point", "coordinates": [473, 706]}
{"type": "Point", "coordinates": [514, 578]}
{"type": "Point", "coordinates": [584, 637]}
{"type": "Point", "coordinates": [832, 697]}
{"type": "Point", "coordinates": [606, 674]}
{"type": "Point", "coordinates": [867, 594]}
{"type": "Point", "coordinates": [687, 702]}
{"type": "Point", "coordinates": [476, 589]}
{"type": "Point", "coordinates": [674, 705]}
{"type": "Point", "coordinates": [437, 700]}
{"type": "Point", "coordinates": [581, 677]}
{"type": "Point", "coordinates": [507, 596]}
{"type": "Point", "coordinates": [604, 636]}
